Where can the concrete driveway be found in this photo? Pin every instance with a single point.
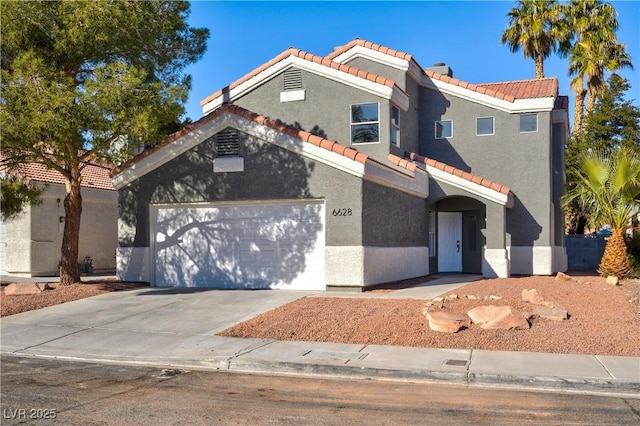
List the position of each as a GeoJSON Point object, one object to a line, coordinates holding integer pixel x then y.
{"type": "Point", "coordinates": [145, 325]}
{"type": "Point", "coordinates": [177, 327]}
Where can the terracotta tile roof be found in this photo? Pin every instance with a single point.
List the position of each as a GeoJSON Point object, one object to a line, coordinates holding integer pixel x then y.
{"type": "Point", "coordinates": [401, 162]}
{"type": "Point", "coordinates": [460, 173]}
{"type": "Point", "coordinates": [508, 91]}
{"type": "Point", "coordinates": [93, 175]}
{"type": "Point", "coordinates": [303, 135]}
{"type": "Point", "coordinates": [369, 45]}
{"type": "Point", "coordinates": [489, 91]}
{"type": "Point", "coordinates": [526, 89]}
{"type": "Point", "coordinates": [308, 57]}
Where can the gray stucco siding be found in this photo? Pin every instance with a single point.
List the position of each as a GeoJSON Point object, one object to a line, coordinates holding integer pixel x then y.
{"type": "Point", "coordinates": [397, 75]}
{"type": "Point", "coordinates": [410, 119]}
{"type": "Point", "coordinates": [391, 218]}
{"type": "Point", "coordinates": [270, 173]}
{"type": "Point", "coordinates": [325, 111]}
{"type": "Point", "coordinates": [409, 122]}
{"type": "Point", "coordinates": [520, 161]}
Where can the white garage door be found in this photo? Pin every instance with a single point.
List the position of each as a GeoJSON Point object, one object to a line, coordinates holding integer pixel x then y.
{"type": "Point", "coordinates": [265, 245]}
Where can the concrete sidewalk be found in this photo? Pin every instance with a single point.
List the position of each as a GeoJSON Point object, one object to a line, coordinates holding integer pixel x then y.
{"type": "Point", "coordinates": [177, 328]}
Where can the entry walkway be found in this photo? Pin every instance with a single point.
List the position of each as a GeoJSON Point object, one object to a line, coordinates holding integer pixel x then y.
{"type": "Point", "coordinates": [177, 328]}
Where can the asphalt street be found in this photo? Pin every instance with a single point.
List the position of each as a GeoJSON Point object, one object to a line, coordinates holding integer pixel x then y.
{"type": "Point", "coordinates": [49, 391]}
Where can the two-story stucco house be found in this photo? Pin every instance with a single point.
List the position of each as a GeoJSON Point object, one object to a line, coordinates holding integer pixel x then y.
{"type": "Point", "coordinates": [346, 171]}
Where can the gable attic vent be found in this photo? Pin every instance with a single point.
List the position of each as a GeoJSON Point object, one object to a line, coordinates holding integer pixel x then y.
{"type": "Point", "coordinates": [292, 79]}
{"type": "Point", "coordinates": [228, 143]}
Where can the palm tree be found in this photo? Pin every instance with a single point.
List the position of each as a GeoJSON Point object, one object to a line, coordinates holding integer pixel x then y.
{"type": "Point", "coordinates": [609, 188]}
{"type": "Point", "coordinates": [536, 26]}
{"type": "Point", "coordinates": [592, 25]}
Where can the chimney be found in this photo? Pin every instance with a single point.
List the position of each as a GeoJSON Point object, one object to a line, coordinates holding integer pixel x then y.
{"type": "Point", "coordinates": [441, 68]}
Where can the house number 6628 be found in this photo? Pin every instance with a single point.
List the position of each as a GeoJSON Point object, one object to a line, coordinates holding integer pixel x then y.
{"type": "Point", "coordinates": [342, 212]}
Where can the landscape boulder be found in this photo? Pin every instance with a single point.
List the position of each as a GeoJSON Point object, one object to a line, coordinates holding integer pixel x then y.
{"type": "Point", "coordinates": [18, 289]}
{"type": "Point", "coordinates": [446, 322]}
{"type": "Point", "coordinates": [613, 280]}
{"type": "Point", "coordinates": [561, 276]}
{"type": "Point", "coordinates": [551, 313]}
{"type": "Point", "coordinates": [498, 317]}
{"type": "Point", "coordinates": [532, 296]}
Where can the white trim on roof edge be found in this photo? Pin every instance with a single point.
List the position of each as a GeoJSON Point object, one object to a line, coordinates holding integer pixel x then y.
{"type": "Point", "coordinates": [414, 183]}
{"type": "Point", "coordinates": [518, 106]}
{"type": "Point", "coordinates": [359, 51]}
{"type": "Point", "coordinates": [394, 94]}
{"type": "Point", "coordinates": [466, 185]}
{"type": "Point", "coordinates": [515, 107]}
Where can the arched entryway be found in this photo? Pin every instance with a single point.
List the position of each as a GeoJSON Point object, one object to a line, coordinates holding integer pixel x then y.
{"type": "Point", "coordinates": [457, 237]}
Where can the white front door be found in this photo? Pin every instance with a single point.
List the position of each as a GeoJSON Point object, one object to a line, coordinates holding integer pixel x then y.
{"type": "Point", "coordinates": [449, 242]}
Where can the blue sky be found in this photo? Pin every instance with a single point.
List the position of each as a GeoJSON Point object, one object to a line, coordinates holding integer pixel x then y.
{"type": "Point", "coordinates": [463, 34]}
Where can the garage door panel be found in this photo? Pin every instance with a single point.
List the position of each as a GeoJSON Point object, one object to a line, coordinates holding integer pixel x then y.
{"type": "Point", "coordinates": [246, 246]}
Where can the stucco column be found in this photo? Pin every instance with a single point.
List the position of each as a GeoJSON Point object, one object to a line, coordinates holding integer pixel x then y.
{"type": "Point", "coordinates": [495, 261]}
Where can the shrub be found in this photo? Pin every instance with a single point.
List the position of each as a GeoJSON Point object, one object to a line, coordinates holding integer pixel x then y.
{"type": "Point", "coordinates": [633, 251]}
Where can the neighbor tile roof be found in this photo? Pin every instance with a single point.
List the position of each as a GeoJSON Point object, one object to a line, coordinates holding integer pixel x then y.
{"type": "Point", "coordinates": [303, 135]}
{"type": "Point", "coordinates": [508, 91]}
{"type": "Point", "coordinates": [308, 57]}
{"type": "Point", "coordinates": [460, 173]}
{"type": "Point", "coordinates": [93, 175]}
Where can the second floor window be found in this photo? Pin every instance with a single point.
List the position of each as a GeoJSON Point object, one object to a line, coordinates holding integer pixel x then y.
{"type": "Point", "coordinates": [484, 126]}
{"type": "Point", "coordinates": [395, 126]}
{"type": "Point", "coordinates": [444, 129]}
{"type": "Point", "coordinates": [528, 123]}
{"type": "Point", "coordinates": [365, 123]}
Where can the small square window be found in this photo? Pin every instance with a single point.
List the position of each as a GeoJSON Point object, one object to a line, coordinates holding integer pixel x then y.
{"type": "Point", "coordinates": [365, 125]}
{"type": "Point", "coordinates": [444, 129]}
{"type": "Point", "coordinates": [395, 126]}
{"type": "Point", "coordinates": [528, 123]}
{"type": "Point", "coordinates": [484, 126]}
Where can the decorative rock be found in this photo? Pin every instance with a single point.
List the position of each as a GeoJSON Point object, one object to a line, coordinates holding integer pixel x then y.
{"type": "Point", "coordinates": [613, 280]}
{"type": "Point", "coordinates": [438, 299]}
{"type": "Point", "coordinates": [550, 304]}
{"type": "Point", "coordinates": [446, 322]}
{"type": "Point", "coordinates": [471, 297]}
{"type": "Point", "coordinates": [554, 314]}
{"type": "Point", "coordinates": [532, 296]}
{"type": "Point", "coordinates": [453, 296]}
{"type": "Point", "coordinates": [500, 317]}
{"type": "Point", "coordinates": [17, 289]}
{"type": "Point", "coordinates": [494, 297]}
{"type": "Point", "coordinates": [561, 276]}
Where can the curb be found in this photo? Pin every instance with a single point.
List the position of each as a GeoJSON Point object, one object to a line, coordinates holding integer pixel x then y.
{"type": "Point", "coordinates": [614, 388]}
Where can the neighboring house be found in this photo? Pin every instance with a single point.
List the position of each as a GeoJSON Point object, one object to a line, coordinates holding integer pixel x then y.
{"type": "Point", "coordinates": [347, 171]}
{"type": "Point", "coordinates": [32, 240]}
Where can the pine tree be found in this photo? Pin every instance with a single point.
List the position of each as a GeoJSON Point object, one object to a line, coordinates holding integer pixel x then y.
{"type": "Point", "coordinates": [79, 77]}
